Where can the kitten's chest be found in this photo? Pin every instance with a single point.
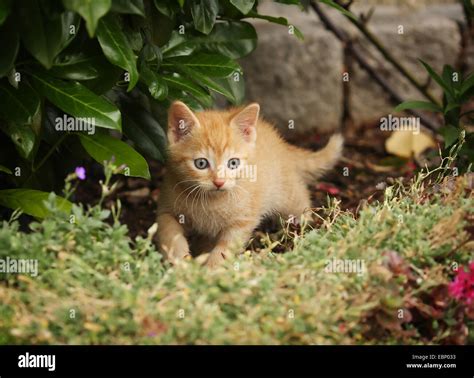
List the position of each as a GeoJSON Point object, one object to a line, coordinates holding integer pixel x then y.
{"type": "Point", "coordinates": [209, 217]}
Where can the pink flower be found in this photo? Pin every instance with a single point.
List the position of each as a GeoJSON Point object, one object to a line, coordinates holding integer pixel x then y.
{"type": "Point", "coordinates": [80, 173]}
{"type": "Point", "coordinates": [462, 288]}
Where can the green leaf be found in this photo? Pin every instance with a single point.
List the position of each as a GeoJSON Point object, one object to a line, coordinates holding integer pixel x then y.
{"type": "Point", "coordinates": [190, 101]}
{"type": "Point", "coordinates": [424, 105]}
{"type": "Point", "coordinates": [446, 76]}
{"type": "Point", "coordinates": [467, 95]}
{"type": "Point", "coordinates": [145, 131]}
{"type": "Point", "coordinates": [214, 65]}
{"type": "Point", "coordinates": [10, 45]}
{"type": "Point", "coordinates": [22, 136]}
{"type": "Point", "coordinates": [32, 202]}
{"type": "Point", "coordinates": [80, 67]}
{"type": "Point", "coordinates": [151, 56]}
{"type": "Point", "coordinates": [204, 14]}
{"type": "Point", "coordinates": [451, 106]}
{"type": "Point", "coordinates": [467, 84]}
{"type": "Point", "coordinates": [44, 37]}
{"type": "Point", "coordinates": [5, 169]}
{"type": "Point", "coordinates": [469, 7]}
{"type": "Point", "coordinates": [236, 86]}
{"type": "Point", "coordinates": [90, 11]}
{"type": "Point", "coordinates": [103, 147]}
{"type": "Point", "coordinates": [158, 26]}
{"type": "Point", "coordinates": [167, 8]}
{"type": "Point", "coordinates": [109, 77]}
{"type": "Point", "coordinates": [450, 134]}
{"type": "Point", "coordinates": [189, 87]}
{"type": "Point", "coordinates": [291, 2]}
{"type": "Point", "coordinates": [134, 37]}
{"type": "Point", "coordinates": [234, 39]}
{"type": "Point", "coordinates": [344, 11]}
{"type": "Point", "coordinates": [208, 82]}
{"type": "Point", "coordinates": [75, 99]}
{"type": "Point", "coordinates": [50, 114]}
{"type": "Point", "coordinates": [5, 9]}
{"type": "Point", "coordinates": [21, 108]}
{"type": "Point", "coordinates": [446, 86]}
{"type": "Point", "coordinates": [116, 48]}
{"type": "Point", "coordinates": [18, 105]}
{"type": "Point", "coordinates": [129, 7]}
{"type": "Point", "coordinates": [244, 6]}
{"type": "Point", "coordinates": [449, 75]}
{"type": "Point", "coordinates": [156, 85]}
{"type": "Point", "coordinates": [178, 45]}
{"type": "Point", "coordinates": [279, 21]}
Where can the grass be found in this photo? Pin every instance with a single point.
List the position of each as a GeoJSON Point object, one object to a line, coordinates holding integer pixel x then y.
{"type": "Point", "coordinates": [97, 286]}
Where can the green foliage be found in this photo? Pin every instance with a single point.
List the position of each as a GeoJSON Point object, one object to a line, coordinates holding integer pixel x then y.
{"type": "Point", "coordinates": [341, 9]}
{"type": "Point", "coordinates": [103, 146]}
{"type": "Point", "coordinates": [457, 91]}
{"type": "Point", "coordinates": [32, 202]}
{"type": "Point", "coordinates": [122, 293]}
{"type": "Point", "coordinates": [115, 65]}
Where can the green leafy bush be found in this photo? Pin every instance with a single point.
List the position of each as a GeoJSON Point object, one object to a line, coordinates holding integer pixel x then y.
{"type": "Point", "coordinates": [94, 78]}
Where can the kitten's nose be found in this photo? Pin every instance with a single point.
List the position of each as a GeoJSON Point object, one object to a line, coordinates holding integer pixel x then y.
{"type": "Point", "coordinates": [218, 183]}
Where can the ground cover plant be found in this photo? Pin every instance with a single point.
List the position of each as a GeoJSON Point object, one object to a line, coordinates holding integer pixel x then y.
{"type": "Point", "coordinates": [408, 279]}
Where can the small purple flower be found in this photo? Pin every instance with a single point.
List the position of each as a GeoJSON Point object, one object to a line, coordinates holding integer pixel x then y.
{"type": "Point", "coordinates": [80, 173]}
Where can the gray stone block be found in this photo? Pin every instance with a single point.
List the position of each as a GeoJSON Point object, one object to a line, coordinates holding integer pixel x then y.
{"type": "Point", "coordinates": [293, 80]}
{"type": "Point", "coordinates": [426, 35]}
{"type": "Point", "coordinates": [302, 81]}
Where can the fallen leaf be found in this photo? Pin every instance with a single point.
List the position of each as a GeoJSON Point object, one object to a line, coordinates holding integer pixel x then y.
{"type": "Point", "coordinates": [407, 144]}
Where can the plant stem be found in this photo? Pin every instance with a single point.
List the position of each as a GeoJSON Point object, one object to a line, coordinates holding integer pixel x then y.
{"type": "Point", "coordinates": [385, 53]}
{"type": "Point", "coordinates": [389, 57]}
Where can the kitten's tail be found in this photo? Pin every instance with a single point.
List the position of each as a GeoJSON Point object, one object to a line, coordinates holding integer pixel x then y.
{"type": "Point", "coordinates": [314, 164]}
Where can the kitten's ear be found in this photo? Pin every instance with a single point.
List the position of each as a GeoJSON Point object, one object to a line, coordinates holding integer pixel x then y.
{"type": "Point", "coordinates": [181, 120]}
{"type": "Point", "coordinates": [246, 122]}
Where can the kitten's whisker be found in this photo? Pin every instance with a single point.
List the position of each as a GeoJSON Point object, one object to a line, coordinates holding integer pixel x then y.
{"type": "Point", "coordinates": [194, 198]}
{"type": "Point", "coordinates": [182, 193]}
{"type": "Point", "coordinates": [206, 200]}
{"type": "Point", "coordinates": [182, 182]}
{"type": "Point", "coordinates": [197, 186]}
{"type": "Point", "coordinates": [201, 199]}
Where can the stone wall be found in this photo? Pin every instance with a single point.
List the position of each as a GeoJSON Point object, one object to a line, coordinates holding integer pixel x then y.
{"type": "Point", "coordinates": [300, 83]}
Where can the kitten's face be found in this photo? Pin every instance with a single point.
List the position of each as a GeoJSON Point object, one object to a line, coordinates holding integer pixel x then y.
{"type": "Point", "coordinates": [211, 150]}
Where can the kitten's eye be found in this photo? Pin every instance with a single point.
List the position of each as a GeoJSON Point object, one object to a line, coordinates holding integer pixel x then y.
{"type": "Point", "coordinates": [201, 163]}
{"type": "Point", "coordinates": [233, 163]}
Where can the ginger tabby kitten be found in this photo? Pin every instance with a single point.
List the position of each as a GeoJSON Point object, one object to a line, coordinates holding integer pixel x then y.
{"type": "Point", "coordinates": [226, 171]}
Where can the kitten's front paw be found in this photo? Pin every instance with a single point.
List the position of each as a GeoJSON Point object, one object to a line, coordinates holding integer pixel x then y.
{"type": "Point", "coordinates": [216, 258]}
{"type": "Point", "coordinates": [179, 254]}
{"type": "Point", "coordinates": [176, 260]}
{"type": "Point", "coordinates": [176, 249]}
